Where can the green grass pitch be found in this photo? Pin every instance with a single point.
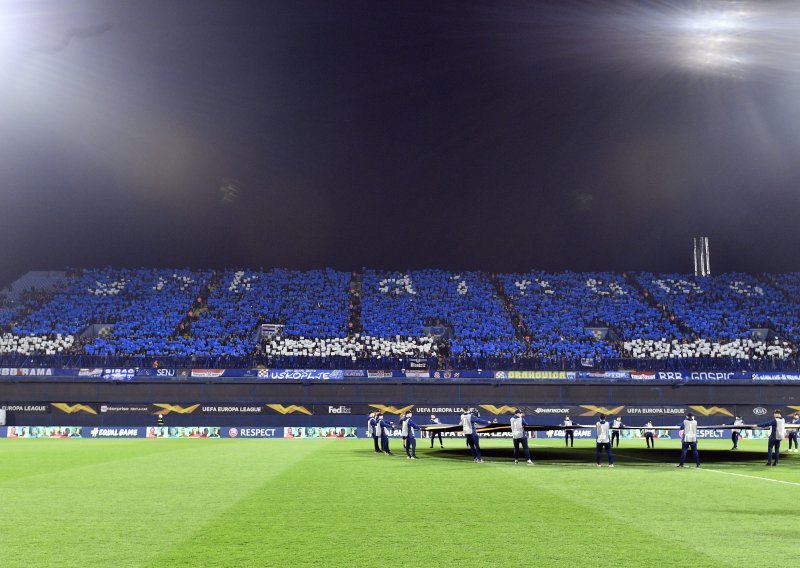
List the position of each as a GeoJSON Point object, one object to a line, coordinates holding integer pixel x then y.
{"type": "Point", "coordinates": [166, 503]}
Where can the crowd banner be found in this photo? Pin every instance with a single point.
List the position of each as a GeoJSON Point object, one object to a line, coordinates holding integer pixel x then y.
{"type": "Point", "coordinates": [303, 374]}
{"type": "Point", "coordinates": [777, 377]}
{"type": "Point", "coordinates": [133, 374]}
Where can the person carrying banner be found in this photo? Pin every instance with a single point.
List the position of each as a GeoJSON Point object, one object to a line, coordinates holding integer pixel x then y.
{"type": "Point", "coordinates": [383, 427]}
{"type": "Point", "coordinates": [468, 421]}
{"type": "Point", "coordinates": [793, 432]}
{"type": "Point", "coordinates": [408, 428]}
{"type": "Point", "coordinates": [401, 419]}
{"type": "Point", "coordinates": [689, 427]}
{"type": "Point", "coordinates": [569, 433]}
{"type": "Point", "coordinates": [736, 433]}
{"type": "Point", "coordinates": [777, 431]}
{"type": "Point", "coordinates": [434, 433]}
{"type": "Point", "coordinates": [520, 436]}
{"type": "Point", "coordinates": [649, 434]}
{"type": "Point", "coordinates": [615, 429]}
{"type": "Point", "coordinates": [373, 431]}
{"type": "Point", "coordinates": [603, 441]}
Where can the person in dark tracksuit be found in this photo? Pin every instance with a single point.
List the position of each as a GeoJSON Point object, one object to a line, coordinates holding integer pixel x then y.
{"type": "Point", "coordinates": [603, 441]}
{"type": "Point", "coordinates": [469, 419]}
{"type": "Point", "coordinates": [408, 428]}
{"type": "Point", "coordinates": [520, 436]}
{"type": "Point", "coordinates": [649, 434]}
{"type": "Point", "coordinates": [689, 427]}
{"type": "Point", "coordinates": [383, 427]}
{"type": "Point", "coordinates": [373, 431]}
{"type": "Point", "coordinates": [569, 433]}
{"type": "Point", "coordinates": [434, 433]}
{"type": "Point", "coordinates": [736, 433]}
{"type": "Point", "coordinates": [615, 426]}
{"type": "Point", "coordinates": [793, 432]}
{"type": "Point", "coordinates": [400, 421]}
{"type": "Point", "coordinates": [777, 431]}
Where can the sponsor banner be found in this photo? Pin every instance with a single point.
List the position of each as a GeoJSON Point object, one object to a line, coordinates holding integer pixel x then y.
{"type": "Point", "coordinates": [536, 375]}
{"type": "Point", "coordinates": [164, 408]}
{"type": "Point", "coordinates": [23, 372]}
{"type": "Point", "coordinates": [74, 408]}
{"type": "Point", "coordinates": [446, 374]}
{"type": "Point", "coordinates": [44, 432]}
{"type": "Point", "coordinates": [643, 375]}
{"type": "Point", "coordinates": [251, 432]}
{"type": "Point", "coordinates": [438, 409]}
{"type": "Point", "coordinates": [497, 410]}
{"type": "Point", "coordinates": [161, 373]}
{"type": "Point", "coordinates": [320, 432]}
{"type": "Point", "coordinates": [207, 373]}
{"type": "Point", "coordinates": [388, 409]}
{"type": "Point", "coordinates": [699, 376]}
{"type": "Point", "coordinates": [183, 432]}
{"type": "Point", "coordinates": [26, 407]}
{"type": "Point", "coordinates": [578, 433]}
{"type": "Point", "coordinates": [123, 374]}
{"type": "Point", "coordinates": [93, 373]}
{"type": "Point", "coordinates": [656, 410]}
{"type": "Point", "coordinates": [126, 409]}
{"type": "Point", "coordinates": [355, 409]}
{"type": "Point", "coordinates": [355, 374]}
{"type": "Point", "coordinates": [288, 409]}
{"type": "Point", "coordinates": [777, 377]}
{"type": "Point", "coordinates": [603, 375]}
{"type": "Point", "coordinates": [380, 374]}
{"type": "Point", "coordinates": [306, 375]}
{"type": "Point", "coordinates": [549, 410]}
{"type": "Point", "coordinates": [233, 409]}
{"type": "Point", "coordinates": [591, 410]}
{"type": "Point", "coordinates": [719, 411]}
{"type": "Point", "coordinates": [102, 432]}
{"type": "Point", "coordinates": [411, 374]}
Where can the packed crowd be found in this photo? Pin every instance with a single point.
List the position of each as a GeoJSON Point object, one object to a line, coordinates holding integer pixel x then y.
{"type": "Point", "coordinates": [380, 316]}
{"type": "Point", "coordinates": [399, 304]}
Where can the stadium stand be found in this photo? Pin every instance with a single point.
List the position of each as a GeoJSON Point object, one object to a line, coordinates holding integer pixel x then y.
{"type": "Point", "coordinates": [399, 305]}
{"type": "Point", "coordinates": [381, 319]}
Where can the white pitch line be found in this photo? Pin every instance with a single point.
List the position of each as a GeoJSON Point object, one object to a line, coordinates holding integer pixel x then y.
{"type": "Point", "coordinates": [753, 477]}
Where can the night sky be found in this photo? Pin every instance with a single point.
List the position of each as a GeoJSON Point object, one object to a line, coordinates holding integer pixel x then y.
{"type": "Point", "coordinates": [491, 135]}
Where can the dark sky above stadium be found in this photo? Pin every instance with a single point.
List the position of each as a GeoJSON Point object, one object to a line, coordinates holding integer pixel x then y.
{"type": "Point", "coordinates": [467, 135]}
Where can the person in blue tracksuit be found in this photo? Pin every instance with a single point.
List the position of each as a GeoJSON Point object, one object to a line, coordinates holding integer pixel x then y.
{"type": "Point", "coordinates": [603, 441]}
{"type": "Point", "coordinates": [469, 419]}
{"type": "Point", "coordinates": [408, 428]}
{"type": "Point", "coordinates": [520, 436]}
{"type": "Point", "coordinates": [736, 433]}
{"type": "Point", "coordinates": [649, 435]}
{"type": "Point", "coordinates": [400, 421]}
{"type": "Point", "coordinates": [793, 432]}
{"type": "Point", "coordinates": [689, 427]}
{"type": "Point", "coordinates": [615, 429]}
{"type": "Point", "coordinates": [777, 431]}
{"type": "Point", "coordinates": [434, 434]}
{"type": "Point", "coordinates": [372, 430]}
{"type": "Point", "coordinates": [383, 428]}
